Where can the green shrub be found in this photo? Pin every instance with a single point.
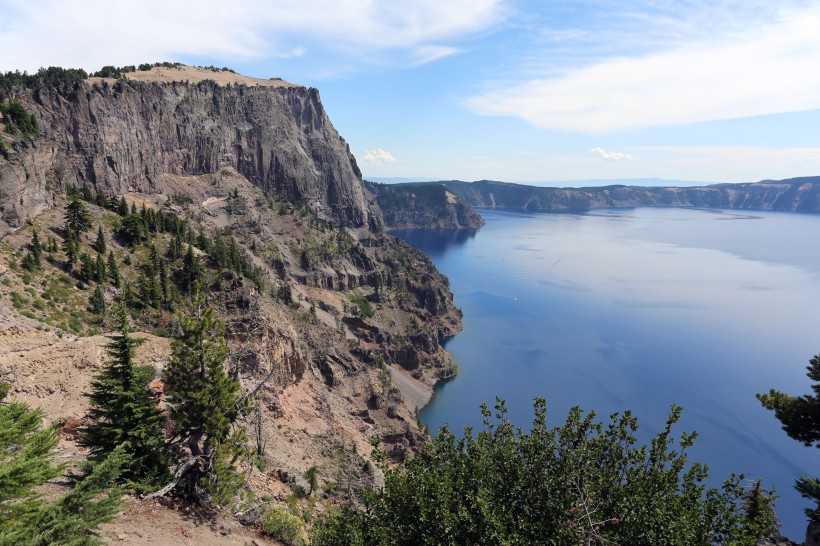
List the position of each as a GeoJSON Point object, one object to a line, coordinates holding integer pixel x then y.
{"type": "Point", "coordinates": [363, 304]}
{"type": "Point", "coordinates": [280, 524]}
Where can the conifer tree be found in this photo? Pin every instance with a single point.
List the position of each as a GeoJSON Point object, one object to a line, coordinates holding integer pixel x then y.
{"type": "Point", "coordinates": [800, 416]}
{"type": "Point", "coordinates": [124, 412]}
{"type": "Point", "coordinates": [26, 462]}
{"type": "Point", "coordinates": [163, 280]}
{"type": "Point", "coordinates": [36, 248]}
{"type": "Point", "coordinates": [97, 302]}
{"type": "Point", "coordinates": [99, 244]}
{"type": "Point", "coordinates": [191, 270]}
{"type": "Point", "coordinates": [71, 247]}
{"type": "Point", "coordinates": [122, 208]}
{"type": "Point", "coordinates": [99, 269]}
{"type": "Point", "coordinates": [205, 402]}
{"type": "Point", "coordinates": [113, 269]}
{"type": "Point", "coordinates": [77, 217]}
{"type": "Point", "coordinates": [87, 268]}
{"type": "Point", "coordinates": [34, 258]}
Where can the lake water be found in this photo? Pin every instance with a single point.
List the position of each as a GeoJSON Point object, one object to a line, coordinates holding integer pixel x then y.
{"type": "Point", "coordinates": [639, 309]}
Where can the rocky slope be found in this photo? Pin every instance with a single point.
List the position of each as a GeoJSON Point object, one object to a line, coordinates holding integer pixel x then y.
{"type": "Point", "coordinates": [342, 331]}
{"type": "Point", "coordinates": [421, 205]}
{"type": "Point", "coordinates": [796, 194]}
{"type": "Point", "coordinates": [123, 135]}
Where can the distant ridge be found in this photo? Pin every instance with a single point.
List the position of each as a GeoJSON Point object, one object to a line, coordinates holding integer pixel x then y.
{"type": "Point", "coordinates": [795, 194]}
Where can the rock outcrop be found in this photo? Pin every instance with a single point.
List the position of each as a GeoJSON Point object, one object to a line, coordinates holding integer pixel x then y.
{"type": "Point", "coordinates": [423, 205]}
{"type": "Point", "coordinates": [336, 332]}
{"type": "Point", "coordinates": [123, 135]}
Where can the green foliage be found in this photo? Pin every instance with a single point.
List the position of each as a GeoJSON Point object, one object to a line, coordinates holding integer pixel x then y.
{"type": "Point", "coordinates": [71, 247]}
{"type": "Point", "coordinates": [113, 269]}
{"type": "Point", "coordinates": [205, 402]}
{"type": "Point", "coordinates": [87, 268]}
{"type": "Point", "coordinates": [18, 120]}
{"type": "Point", "coordinates": [579, 483]}
{"type": "Point", "coordinates": [133, 229]}
{"type": "Point", "coordinates": [26, 453]}
{"type": "Point", "coordinates": [113, 71]}
{"type": "Point", "coordinates": [97, 303]}
{"type": "Point", "coordinates": [363, 304]}
{"type": "Point", "coordinates": [45, 77]}
{"type": "Point", "coordinates": [77, 218]}
{"type": "Point", "coordinates": [33, 260]}
{"type": "Point", "coordinates": [99, 244]}
{"type": "Point", "coordinates": [312, 477]}
{"type": "Point", "coordinates": [125, 414]}
{"type": "Point", "coordinates": [280, 524]}
{"type": "Point", "coordinates": [800, 416]}
{"type": "Point", "coordinates": [229, 255]}
{"type": "Point", "coordinates": [191, 272]}
{"type": "Point", "coordinates": [99, 269]}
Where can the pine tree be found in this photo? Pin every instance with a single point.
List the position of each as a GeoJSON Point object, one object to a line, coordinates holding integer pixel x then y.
{"type": "Point", "coordinates": [99, 244]}
{"type": "Point", "coordinates": [99, 269]}
{"type": "Point", "coordinates": [191, 270]}
{"type": "Point", "coordinates": [36, 248]}
{"type": "Point", "coordinates": [122, 208]}
{"type": "Point", "coordinates": [97, 302]}
{"type": "Point", "coordinates": [33, 260]}
{"type": "Point", "coordinates": [87, 268]}
{"type": "Point", "coordinates": [71, 247]}
{"type": "Point", "coordinates": [800, 416]}
{"type": "Point", "coordinates": [113, 269]}
{"type": "Point", "coordinates": [124, 412]}
{"type": "Point", "coordinates": [77, 217]}
{"type": "Point", "coordinates": [25, 460]}
{"type": "Point", "coordinates": [163, 280]}
{"type": "Point", "coordinates": [26, 453]}
{"type": "Point", "coordinates": [204, 403]}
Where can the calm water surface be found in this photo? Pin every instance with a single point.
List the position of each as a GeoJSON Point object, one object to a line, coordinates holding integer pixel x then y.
{"type": "Point", "coordinates": [639, 309]}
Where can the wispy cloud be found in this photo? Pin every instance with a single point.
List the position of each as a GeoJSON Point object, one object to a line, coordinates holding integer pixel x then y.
{"type": "Point", "coordinates": [610, 156]}
{"type": "Point", "coordinates": [378, 156]}
{"type": "Point", "coordinates": [92, 33]}
{"type": "Point", "coordinates": [750, 69]}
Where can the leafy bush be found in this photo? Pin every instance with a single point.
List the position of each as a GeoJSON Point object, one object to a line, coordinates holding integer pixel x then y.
{"type": "Point", "coordinates": [282, 525]}
{"type": "Point", "coordinates": [580, 483]}
{"type": "Point", "coordinates": [363, 304]}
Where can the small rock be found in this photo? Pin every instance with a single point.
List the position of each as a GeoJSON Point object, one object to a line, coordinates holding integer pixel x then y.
{"type": "Point", "coordinates": [224, 530]}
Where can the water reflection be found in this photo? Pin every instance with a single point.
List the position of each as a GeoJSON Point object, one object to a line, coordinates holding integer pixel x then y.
{"type": "Point", "coordinates": [639, 309]}
{"type": "Point", "coordinates": [435, 242]}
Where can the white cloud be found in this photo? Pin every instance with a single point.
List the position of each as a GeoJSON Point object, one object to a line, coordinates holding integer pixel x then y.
{"type": "Point", "coordinates": [378, 156]}
{"type": "Point", "coordinates": [762, 69]}
{"type": "Point", "coordinates": [610, 156]}
{"type": "Point", "coordinates": [93, 33]}
{"type": "Point", "coordinates": [731, 163]}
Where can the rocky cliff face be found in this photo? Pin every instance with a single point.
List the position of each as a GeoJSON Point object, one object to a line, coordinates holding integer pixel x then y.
{"type": "Point", "coordinates": [796, 194]}
{"type": "Point", "coordinates": [124, 135]}
{"type": "Point", "coordinates": [423, 205]}
{"type": "Point", "coordinates": [341, 336]}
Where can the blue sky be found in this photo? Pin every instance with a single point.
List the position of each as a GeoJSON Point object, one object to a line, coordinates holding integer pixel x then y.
{"type": "Point", "coordinates": [720, 91]}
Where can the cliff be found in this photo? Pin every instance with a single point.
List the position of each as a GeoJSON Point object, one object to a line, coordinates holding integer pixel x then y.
{"type": "Point", "coordinates": [796, 194]}
{"type": "Point", "coordinates": [422, 206]}
{"type": "Point", "coordinates": [339, 322]}
{"type": "Point", "coordinates": [124, 135]}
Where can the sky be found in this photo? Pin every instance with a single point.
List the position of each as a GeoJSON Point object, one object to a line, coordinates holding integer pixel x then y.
{"type": "Point", "coordinates": [522, 91]}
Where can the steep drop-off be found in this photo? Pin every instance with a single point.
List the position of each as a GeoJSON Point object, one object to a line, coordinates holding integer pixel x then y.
{"type": "Point", "coordinates": [123, 135]}
{"type": "Point", "coordinates": [422, 206]}
{"type": "Point", "coordinates": [343, 329]}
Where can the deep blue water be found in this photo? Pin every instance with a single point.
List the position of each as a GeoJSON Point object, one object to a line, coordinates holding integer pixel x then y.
{"type": "Point", "coordinates": [639, 309]}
